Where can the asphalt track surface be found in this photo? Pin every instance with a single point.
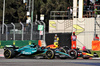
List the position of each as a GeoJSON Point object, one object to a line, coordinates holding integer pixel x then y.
{"type": "Point", "coordinates": [48, 62]}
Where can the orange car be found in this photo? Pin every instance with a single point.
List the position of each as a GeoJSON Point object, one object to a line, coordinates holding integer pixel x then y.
{"type": "Point", "coordinates": [53, 46]}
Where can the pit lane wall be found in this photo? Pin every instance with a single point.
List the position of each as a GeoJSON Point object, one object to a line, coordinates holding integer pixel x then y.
{"type": "Point", "coordinates": [18, 43]}
{"type": "Point", "coordinates": [83, 27]}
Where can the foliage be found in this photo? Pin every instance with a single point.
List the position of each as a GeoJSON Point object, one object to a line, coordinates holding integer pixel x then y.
{"type": "Point", "coordinates": [15, 10]}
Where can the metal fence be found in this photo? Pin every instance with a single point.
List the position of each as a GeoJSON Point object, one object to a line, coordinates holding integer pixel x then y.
{"type": "Point", "coordinates": [60, 15]}
{"type": "Point", "coordinates": [22, 31]}
{"type": "Point", "coordinates": [88, 12]}
{"type": "Point", "coordinates": [0, 31]}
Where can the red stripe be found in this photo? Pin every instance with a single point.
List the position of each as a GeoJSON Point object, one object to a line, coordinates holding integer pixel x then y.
{"type": "Point", "coordinates": [1, 55]}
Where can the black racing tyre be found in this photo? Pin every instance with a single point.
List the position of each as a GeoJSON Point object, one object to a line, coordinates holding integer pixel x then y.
{"type": "Point", "coordinates": [9, 53]}
{"type": "Point", "coordinates": [64, 51]}
{"type": "Point", "coordinates": [88, 51]}
{"type": "Point", "coordinates": [95, 54]}
{"type": "Point", "coordinates": [73, 53]}
{"type": "Point", "coordinates": [86, 57]}
{"type": "Point", "coordinates": [66, 48]}
{"type": "Point", "coordinates": [50, 54]}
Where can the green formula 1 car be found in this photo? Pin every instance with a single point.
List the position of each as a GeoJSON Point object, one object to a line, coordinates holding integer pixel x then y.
{"type": "Point", "coordinates": [10, 51]}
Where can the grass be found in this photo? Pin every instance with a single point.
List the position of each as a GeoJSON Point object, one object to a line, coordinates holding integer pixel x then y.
{"type": "Point", "coordinates": [98, 52]}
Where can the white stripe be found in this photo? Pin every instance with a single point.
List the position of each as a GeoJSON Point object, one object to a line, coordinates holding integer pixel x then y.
{"type": "Point", "coordinates": [96, 58]}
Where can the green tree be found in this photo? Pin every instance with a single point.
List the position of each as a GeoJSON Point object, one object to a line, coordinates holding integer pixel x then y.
{"type": "Point", "coordinates": [15, 10]}
{"type": "Point", "coordinates": [53, 5]}
{"type": "Point", "coordinates": [1, 10]}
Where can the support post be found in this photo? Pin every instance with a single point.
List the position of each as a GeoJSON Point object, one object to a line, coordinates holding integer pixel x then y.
{"type": "Point", "coordinates": [14, 31]}
{"type": "Point", "coordinates": [74, 8]}
{"type": "Point", "coordinates": [22, 30]}
{"type": "Point", "coordinates": [6, 32]}
{"type": "Point", "coordinates": [80, 9]}
{"type": "Point", "coordinates": [3, 16]}
{"type": "Point", "coordinates": [31, 31]}
{"type": "Point", "coordinates": [39, 24]}
{"type": "Point", "coordinates": [43, 31]}
{"type": "Point", "coordinates": [32, 19]}
{"type": "Point", "coordinates": [0, 32]}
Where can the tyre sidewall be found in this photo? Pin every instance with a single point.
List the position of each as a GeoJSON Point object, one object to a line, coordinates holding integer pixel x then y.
{"type": "Point", "coordinates": [12, 53]}
{"type": "Point", "coordinates": [72, 50]}
{"type": "Point", "coordinates": [53, 54]}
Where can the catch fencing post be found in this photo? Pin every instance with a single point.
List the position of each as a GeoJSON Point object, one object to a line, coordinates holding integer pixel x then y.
{"type": "Point", "coordinates": [6, 31]}
{"type": "Point", "coordinates": [31, 30]}
{"type": "Point", "coordinates": [14, 31]}
{"type": "Point", "coordinates": [39, 24]}
{"type": "Point", "coordinates": [43, 31]}
{"type": "Point", "coordinates": [22, 30]}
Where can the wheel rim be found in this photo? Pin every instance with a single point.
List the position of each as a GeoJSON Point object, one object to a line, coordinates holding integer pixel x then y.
{"type": "Point", "coordinates": [6, 53]}
{"type": "Point", "coordinates": [49, 54]}
{"type": "Point", "coordinates": [72, 54]}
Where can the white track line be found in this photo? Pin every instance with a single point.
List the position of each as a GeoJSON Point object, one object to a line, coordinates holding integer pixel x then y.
{"type": "Point", "coordinates": [96, 58]}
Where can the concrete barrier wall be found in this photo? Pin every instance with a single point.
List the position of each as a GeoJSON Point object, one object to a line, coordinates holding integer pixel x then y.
{"type": "Point", "coordinates": [98, 27]}
{"type": "Point", "coordinates": [60, 26]}
{"type": "Point", "coordinates": [18, 43]}
{"type": "Point", "coordinates": [83, 27]}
